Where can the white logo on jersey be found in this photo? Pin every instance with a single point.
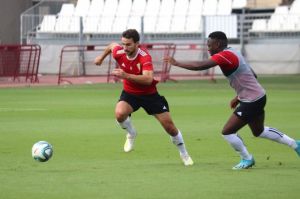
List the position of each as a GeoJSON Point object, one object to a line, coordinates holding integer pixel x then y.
{"type": "Point", "coordinates": [239, 113]}
{"type": "Point", "coordinates": [141, 52]}
{"type": "Point", "coordinates": [120, 52]}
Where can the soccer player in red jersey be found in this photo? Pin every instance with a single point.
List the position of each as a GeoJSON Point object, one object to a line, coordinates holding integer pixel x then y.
{"type": "Point", "coordinates": [251, 97]}
{"type": "Point", "coordinates": [139, 90]}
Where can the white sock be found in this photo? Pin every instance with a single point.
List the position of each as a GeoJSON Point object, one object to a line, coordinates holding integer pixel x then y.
{"type": "Point", "coordinates": [237, 143]}
{"type": "Point", "coordinates": [178, 141]}
{"type": "Point", "coordinates": [277, 136]}
{"type": "Point", "coordinates": [127, 125]}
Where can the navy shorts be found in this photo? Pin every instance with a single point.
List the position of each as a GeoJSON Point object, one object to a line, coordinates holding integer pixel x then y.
{"type": "Point", "coordinates": [248, 111]}
{"type": "Point", "coordinates": [152, 104]}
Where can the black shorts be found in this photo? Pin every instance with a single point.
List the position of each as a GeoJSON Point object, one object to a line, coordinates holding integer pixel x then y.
{"type": "Point", "coordinates": [152, 104]}
{"type": "Point", "coordinates": [248, 111]}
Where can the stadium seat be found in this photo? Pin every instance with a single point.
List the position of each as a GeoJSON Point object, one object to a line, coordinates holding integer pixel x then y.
{"type": "Point", "coordinates": [82, 8]}
{"type": "Point", "coordinates": [210, 7]}
{"type": "Point", "coordinates": [48, 24]}
{"type": "Point", "coordinates": [105, 25]}
{"type": "Point", "coordinates": [122, 16]}
{"type": "Point", "coordinates": [179, 16]}
{"type": "Point", "coordinates": [137, 11]}
{"type": "Point", "coordinates": [237, 4]}
{"type": "Point", "coordinates": [150, 16]}
{"type": "Point", "coordinates": [281, 10]}
{"type": "Point", "coordinates": [165, 16]}
{"type": "Point", "coordinates": [275, 23]}
{"type": "Point", "coordinates": [138, 7]}
{"type": "Point", "coordinates": [91, 24]}
{"type": "Point", "coordinates": [259, 25]}
{"type": "Point", "coordinates": [194, 17]}
{"type": "Point", "coordinates": [75, 24]}
{"type": "Point", "coordinates": [295, 7]}
{"type": "Point", "coordinates": [224, 7]}
{"type": "Point", "coordinates": [64, 18]}
{"type": "Point", "coordinates": [108, 16]}
{"type": "Point", "coordinates": [92, 19]}
{"type": "Point", "coordinates": [195, 8]}
{"type": "Point", "coordinates": [290, 23]}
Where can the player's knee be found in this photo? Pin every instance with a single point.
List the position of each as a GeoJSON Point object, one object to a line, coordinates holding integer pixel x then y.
{"type": "Point", "coordinates": [226, 131]}
{"type": "Point", "coordinates": [120, 116]}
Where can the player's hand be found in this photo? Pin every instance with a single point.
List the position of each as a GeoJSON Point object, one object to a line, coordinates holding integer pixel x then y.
{"type": "Point", "coordinates": [98, 61]}
{"type": "Point", "coordinates": [234, 102]}
{"type": "Point", "coordinates": [169, 60]}
{"type": "Point", "coordinates": [118, 72]}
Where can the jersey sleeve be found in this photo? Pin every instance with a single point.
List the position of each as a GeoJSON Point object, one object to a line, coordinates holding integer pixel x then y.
{"type": "Point", "coordinates": [221, 59]}
{"type": "Point", "coordinates": [147, 63]}
{"type": "Point", "coordinates": [117, 51]}
{"type": "Point", "coordinates": [227, 61]}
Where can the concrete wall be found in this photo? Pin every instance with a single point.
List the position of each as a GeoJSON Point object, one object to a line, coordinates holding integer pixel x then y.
{"type": "Point", "coordinates": [10, 11]}
{"type": "Point", "coordinates": [263, 58]}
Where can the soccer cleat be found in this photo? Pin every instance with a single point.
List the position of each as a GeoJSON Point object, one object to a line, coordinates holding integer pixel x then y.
{"type": "Point", "coordinates": [186, 159]}
{"type": "Point", "coordinates": [128, 146]}
{"type": "Point", "coordinates": [244, 164]}
{"type": "Point", "coordinates": [298, 148]}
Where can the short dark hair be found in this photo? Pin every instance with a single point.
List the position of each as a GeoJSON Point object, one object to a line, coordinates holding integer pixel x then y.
{"type": "Point", "coordinates": [131, 34]}
{"type": "Point", "coordinates": [219, 35]}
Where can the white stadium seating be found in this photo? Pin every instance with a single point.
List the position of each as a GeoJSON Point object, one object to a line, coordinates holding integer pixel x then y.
{"type": "Point", "coordinates": [93, 16]}
{"type": "Point", "coordinates": [194, 16]}
{"type": "Point", "coordinates": [151, 15]}
{"type": "Point", "coordinates": [48, 24]}
{"type": "Point", "coordinates": [210, 7]}
{"type": "Point", "coordinates": [122, 15]}
{"type": "Point", "coordinates": [64, 18]}
{"type": "Point", "coordinates": [137, 11]}
{"type": "Point", "coordinates": [161, 16]}
{"type": "Point", "coordinates": [165, 16]}
{"type": "Point", "coordinates": [179, 16]}
{"type": "Point", "coordinates": [283, 19]}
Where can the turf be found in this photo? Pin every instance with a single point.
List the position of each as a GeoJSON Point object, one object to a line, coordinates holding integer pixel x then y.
{"type": "Point", "coordinates": [89, 163]}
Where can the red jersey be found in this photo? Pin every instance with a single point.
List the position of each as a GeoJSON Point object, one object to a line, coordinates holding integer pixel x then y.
{"type": "Point", "coordinates": [141, 62]}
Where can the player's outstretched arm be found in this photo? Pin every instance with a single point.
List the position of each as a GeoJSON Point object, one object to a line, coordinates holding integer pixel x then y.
{"type": "Point", "coordinates": [145, 79]}
{"type": "Point", "coordinates": [191, 65]}
{"type": "Point", "coordinates": [99, 59]}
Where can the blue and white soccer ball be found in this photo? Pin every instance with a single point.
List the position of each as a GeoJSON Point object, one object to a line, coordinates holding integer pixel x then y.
{"type": "Point", "coordinates": [42, 151]}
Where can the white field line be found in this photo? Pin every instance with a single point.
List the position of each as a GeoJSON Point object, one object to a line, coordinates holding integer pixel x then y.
{"type": "Point", "coordinates": [21, 109]}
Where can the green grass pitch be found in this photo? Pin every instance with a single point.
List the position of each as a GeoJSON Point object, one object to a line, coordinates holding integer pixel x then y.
{"type": "Point", "coordinates": [89, 162]}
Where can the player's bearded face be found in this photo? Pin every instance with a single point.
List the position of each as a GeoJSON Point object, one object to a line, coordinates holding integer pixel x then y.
{"type": "Point", "coordinates": [130, 47]}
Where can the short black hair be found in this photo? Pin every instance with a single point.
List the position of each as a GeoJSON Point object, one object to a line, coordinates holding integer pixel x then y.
{"type": "Point", "coordinates": [131, 34]}
{"type": "Point", "coordinates": [219, 35]}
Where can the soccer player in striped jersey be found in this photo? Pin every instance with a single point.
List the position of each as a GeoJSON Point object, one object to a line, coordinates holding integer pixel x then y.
{"type": "Point", "coordinates": [139, 90]}
{"type": "Point", "coordinates": [248, 104]}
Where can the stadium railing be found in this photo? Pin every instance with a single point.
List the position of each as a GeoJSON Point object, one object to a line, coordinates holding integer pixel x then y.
{"type": "Point", "coordinates": [77, 61]}
{"type": "Point", "coordinates": [20, 61]}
